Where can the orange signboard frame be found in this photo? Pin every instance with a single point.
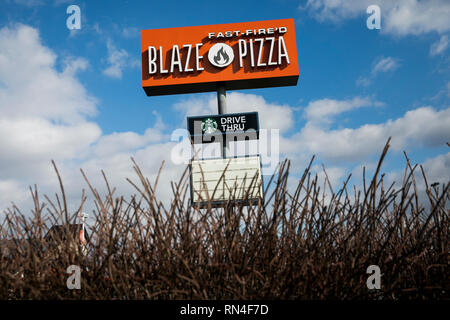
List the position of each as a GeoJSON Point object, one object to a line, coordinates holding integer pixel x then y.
{"type": "Point", "coordinates": [246, 55]}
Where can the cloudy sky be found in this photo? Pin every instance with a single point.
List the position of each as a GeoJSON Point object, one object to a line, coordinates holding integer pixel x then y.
{"type": "Point", "coordinates": [76, 96]}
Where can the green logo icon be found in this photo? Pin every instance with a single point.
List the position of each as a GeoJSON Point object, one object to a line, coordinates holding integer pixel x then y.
{"type": "Point", "coordinates": [209, 126]}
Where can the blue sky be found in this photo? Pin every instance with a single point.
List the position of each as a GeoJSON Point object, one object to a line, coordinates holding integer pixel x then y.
{"type": "Point", "coordinates": [357, 86]}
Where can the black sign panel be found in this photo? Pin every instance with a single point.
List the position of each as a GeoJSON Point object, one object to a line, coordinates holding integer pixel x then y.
{"type": "Point", "coordinates": [224, 127]}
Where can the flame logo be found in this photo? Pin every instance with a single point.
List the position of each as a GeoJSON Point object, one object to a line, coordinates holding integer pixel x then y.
{"type": "Point", "coordinates": [220, 55]}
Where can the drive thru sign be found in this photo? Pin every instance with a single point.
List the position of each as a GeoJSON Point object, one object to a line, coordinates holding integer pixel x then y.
{"type": "Point", "coordinates": [235, 126]}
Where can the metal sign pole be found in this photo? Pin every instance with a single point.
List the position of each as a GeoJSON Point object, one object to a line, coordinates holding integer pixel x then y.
{"type": "Point", "coordinates": [222, 109]}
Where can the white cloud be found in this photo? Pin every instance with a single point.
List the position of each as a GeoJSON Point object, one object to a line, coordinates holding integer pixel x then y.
{"type": "Point", "coordinates": [41, 108]}
{"type": "Point", "coordinates": [323, 110]}
{"type": "Point", "coordinates": [417, 17]}
{"type": "Point", "coordinates": [385, 65]}
{"type": "Point", "coordinates": [117, 166]}
{"type": "Point", "coordinates": [400, 17]}
{"type": "Point", "coordinates": [334, 10]}
{"type": "Point", "coordinates": [31, 84]}
{"type": "Point", "coordinates": [437, 169]}
{"type": "Point", "coordinates": [347, 150]}
{"type": "Point", "coordinates": [334, 174]}
{"type": "Point", "coordinates": [44, 112]}
{"type": "Point", "coordinates": [36, 138]}
{"type": "Point", "coordinates": [74, 64]}
{"type": "Point", "coordinates": [10, 192]}
{"type": "Point", "coordinates": [126, 141]}
{"type": "Point", "coordinates": [421, 127]}
{"type": "Point", "coordinates": [380, 65]}
{"type": "Point", "coordinates": [117, 61]}
{"type": "Point", "coordinates": [271, 115]}
{"type": "Point", "coordinates": [45, 115]}
{"type": "Point", "coordinates": [439, 46]}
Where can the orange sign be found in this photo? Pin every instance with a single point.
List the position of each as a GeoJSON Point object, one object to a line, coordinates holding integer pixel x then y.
{"type": "Point", "coordinates": [237, 55]}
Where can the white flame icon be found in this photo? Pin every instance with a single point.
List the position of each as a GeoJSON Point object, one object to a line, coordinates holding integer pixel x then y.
{"type": "Point", "coordinates": [221, 55]}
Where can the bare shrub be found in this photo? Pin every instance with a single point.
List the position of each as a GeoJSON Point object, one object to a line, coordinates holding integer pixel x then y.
{"type": "Point", "coordinates": [296, 244]}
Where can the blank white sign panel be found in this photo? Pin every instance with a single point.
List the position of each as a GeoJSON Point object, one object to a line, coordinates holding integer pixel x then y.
{"type": "Point", "coordinates": [243, 175]}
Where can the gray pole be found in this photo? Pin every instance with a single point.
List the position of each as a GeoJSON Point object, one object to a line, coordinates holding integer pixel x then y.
{"type": "Point", "coordinates": [222, 109]}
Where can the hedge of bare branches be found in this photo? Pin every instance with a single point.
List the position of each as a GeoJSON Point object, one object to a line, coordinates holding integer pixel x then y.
{"type": "Point", "coordinates": [296, 244]}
